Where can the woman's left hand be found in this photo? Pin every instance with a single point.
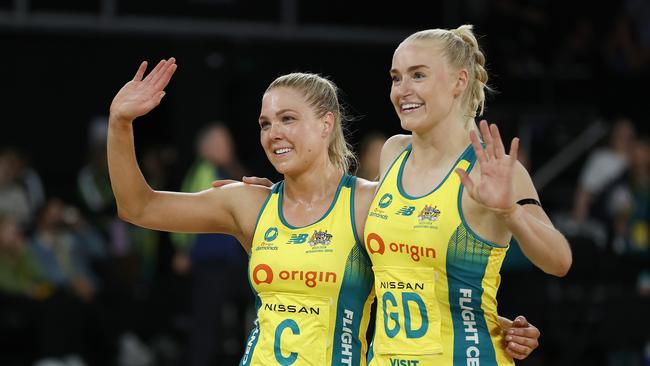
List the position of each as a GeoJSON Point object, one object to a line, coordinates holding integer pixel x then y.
{"type": "Point", "coordinates": [521, 338]}
{"type": "Point", "coordinates": [494, 190]}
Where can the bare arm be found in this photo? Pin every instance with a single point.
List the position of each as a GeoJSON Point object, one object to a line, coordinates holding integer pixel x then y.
{"type": "Point", "coordinates": [363, 196]}
{"type": "Point", "coordinates": [503, 181]}
{"type": "Point", "coordinates": [539, 240]}
{"type": "Point", "coordinates": [213, 210]}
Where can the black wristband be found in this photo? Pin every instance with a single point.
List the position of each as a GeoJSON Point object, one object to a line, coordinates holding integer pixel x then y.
{"type": "Point", "coordinates": [529, 201]}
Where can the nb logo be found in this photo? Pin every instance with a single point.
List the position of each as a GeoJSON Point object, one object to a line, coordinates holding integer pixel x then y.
{"type": "Point", "coordinates": [298, 238]}
{"type": "Point", "coordinates": [406, 211]}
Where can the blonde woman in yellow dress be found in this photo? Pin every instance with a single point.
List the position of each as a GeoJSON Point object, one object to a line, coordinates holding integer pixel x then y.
{"type": "Point", "coordinates": [446, 208]}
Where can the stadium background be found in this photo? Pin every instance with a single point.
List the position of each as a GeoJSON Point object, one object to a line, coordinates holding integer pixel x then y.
{"type": "Point", "coordinates": [563, 72]}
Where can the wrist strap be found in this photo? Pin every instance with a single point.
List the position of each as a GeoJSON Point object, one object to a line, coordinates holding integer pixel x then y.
{"type": "Point", "coordinates": [529, 201]}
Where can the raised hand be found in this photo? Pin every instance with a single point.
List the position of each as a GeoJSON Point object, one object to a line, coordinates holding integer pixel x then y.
{"type": "Point", "coordinates": [494, 191]}
{"type": "Point", "coordinates": [140, 95]}
{"type": "Point", "coordinates": [521, 338]}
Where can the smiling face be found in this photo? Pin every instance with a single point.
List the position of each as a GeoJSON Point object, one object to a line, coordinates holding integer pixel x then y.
{"type": "Point", "coordinates": [425, 88]}
{"type": "Point", "coordinates": [292, 135]}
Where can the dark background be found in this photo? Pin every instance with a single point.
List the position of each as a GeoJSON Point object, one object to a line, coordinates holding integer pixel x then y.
{"type": "Point", "coordinates": [57, 76]}
{"type": "Point", "coordinates": [62, 62]}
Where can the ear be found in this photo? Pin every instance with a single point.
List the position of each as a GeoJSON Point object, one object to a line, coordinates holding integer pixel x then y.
{"type": "Point", "coordinates": [460, 85]}
{"type": "Point", "coordinates": [327, 124]}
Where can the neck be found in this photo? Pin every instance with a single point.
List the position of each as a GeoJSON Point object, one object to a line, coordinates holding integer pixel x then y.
{"type": "Point", "coordinates": [442, 142]}
{"type": "Point", "coordinates": [312, 185]}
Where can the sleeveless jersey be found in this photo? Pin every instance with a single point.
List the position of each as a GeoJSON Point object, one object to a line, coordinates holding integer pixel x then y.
{"type": "Point", "coordinates": [312, 285]}
{"type": "Point", "coordinates": [435, 279]}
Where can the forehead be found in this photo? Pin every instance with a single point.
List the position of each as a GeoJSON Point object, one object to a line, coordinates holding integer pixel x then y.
{"type": "Point", "coordinates": [418, 52]}
{"type": "Point", "coordinates": [281, 98]}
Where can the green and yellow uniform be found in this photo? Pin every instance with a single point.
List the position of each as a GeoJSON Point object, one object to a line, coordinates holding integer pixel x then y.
{"type": "Point", "coordinates": [313, 286]}
{"type": "Point", "coordinates": [436, 280]}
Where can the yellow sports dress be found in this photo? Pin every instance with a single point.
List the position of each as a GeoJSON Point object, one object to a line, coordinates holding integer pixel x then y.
{"type": "Point", "coordinates": [313, 287]}
{"type": "Point", "coordinates": [436, 280]}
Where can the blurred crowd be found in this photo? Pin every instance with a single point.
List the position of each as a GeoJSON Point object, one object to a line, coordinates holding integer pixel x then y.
{"type": "Point", "coordinates": [79, 286]}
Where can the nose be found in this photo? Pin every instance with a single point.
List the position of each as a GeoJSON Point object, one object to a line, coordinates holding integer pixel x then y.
{"type": "Point", "coordinates": [403, 88]}
{"type": "Point", "coordinates": [276, 131]}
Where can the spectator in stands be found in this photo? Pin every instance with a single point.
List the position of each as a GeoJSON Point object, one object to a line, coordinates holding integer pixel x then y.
{"type": "Point", "coordinates": [601, 170]}
{"type": "Point", "coordinates": [63, 246]}
{"type": "Point", "coordinates": [216, 262]}
{"type": "Point", "coordinates": [14, 198]}
{"type": "Point", "coordinates": [630, 204]}
{"type": "Point", "coordinates": [19, 272]}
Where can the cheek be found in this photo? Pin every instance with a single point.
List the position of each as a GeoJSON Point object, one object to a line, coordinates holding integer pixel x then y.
{"type": "Point", "coordinates": [264, 140]}
{"type": "Point", "coordinates": [393, 96]}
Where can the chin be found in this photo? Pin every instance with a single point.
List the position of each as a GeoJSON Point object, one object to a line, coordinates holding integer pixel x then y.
{"type": "Point", "coordinates": [283, 168]}
{"type": "Point", "coordinates": [409, 125]}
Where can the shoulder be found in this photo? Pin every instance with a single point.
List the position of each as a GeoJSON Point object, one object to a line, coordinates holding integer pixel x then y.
{"type": "Point", "coordinates": [241, 194]}
{"type": "Point", "coordinates": [524, 186]}
{"type": "Point", "coordinates": [365, 190]}
{"type": "Point", "coordinates": [395, 144]}
{"type": "Point", "coordinates": [391, 150]}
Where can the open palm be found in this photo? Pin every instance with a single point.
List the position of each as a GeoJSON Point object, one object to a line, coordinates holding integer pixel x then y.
{"type": "Point", "coordinates": [140, 95]}
{"type": "Point", "coordinates": [494, 190]}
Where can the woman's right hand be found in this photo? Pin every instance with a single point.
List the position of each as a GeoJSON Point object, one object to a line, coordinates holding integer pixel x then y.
{"type": "Point", "coordinates": [140, 95]}
{"type": "Point", "coordinates": [248, 180]}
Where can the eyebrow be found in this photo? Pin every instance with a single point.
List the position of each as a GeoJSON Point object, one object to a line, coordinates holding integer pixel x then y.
{"type": "Point", "coordinates": [262, 117]}
{"type": "Point", "coordinates": [414, 67]}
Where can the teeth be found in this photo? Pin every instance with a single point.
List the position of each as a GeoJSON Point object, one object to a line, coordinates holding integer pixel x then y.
{"type": "Point", "coordinates": [410, 106]}
{"type": "Point", "coordinates": [282, 151]}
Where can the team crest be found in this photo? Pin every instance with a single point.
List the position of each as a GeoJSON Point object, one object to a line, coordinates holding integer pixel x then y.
{"type": "Point", "coordinates": [320, 238]}
{"type": "Point", "coordinates": [429, 213]}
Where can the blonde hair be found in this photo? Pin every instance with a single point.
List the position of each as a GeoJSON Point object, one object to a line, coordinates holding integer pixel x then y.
{"type": "Point", "coordinates": [460, 48]}
{"type": "Point", "coordinates": [322, 96]}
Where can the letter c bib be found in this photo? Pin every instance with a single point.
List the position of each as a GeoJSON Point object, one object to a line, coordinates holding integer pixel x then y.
{"type": "Point", "coordinates": [292, 327]}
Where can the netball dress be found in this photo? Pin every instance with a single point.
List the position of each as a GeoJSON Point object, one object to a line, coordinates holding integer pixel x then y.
{"type": "Point", "coordinates": [435, 279]}
{"type": "Point", "coordinates": [312, 284]}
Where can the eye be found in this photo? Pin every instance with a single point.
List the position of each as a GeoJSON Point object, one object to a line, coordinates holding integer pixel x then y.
{"type": "Point", "coordinates": [418, 75]}
{"type": "Point", "coordinates": [265, 125]}
{"type": "Point", "coordinates": [288, 119]}
{"type": "Point", "coordinates": [394, 79]}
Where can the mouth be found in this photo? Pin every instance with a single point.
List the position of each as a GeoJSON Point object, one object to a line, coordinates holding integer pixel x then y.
{"type": "Point", "coordinates": [282, 151]}
{"type": "Point", "coordinates": [410, 107]}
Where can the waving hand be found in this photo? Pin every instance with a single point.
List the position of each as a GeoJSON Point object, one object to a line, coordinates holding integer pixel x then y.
{"type": "Point", "coordinates": [142, 94]}
{"type": "Point", "coordinates": [494, 190]}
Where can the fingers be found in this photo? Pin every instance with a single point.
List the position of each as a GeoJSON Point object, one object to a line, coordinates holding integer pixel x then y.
{"type": "Point", "coordinates": [522, 338]}
{"type": "Point", "coordinates": [152, 74]}
{"type": "Point", "coordinates": [165, 73]}
{"type": "Point", "coordinates": [258, 181]}
{"type": "Point", "coordinates": [517, 352]}
{"type": "Point", "coordinates": [520, 347]}
{"type": "Point", "coordinates": [514, 150]}
{"type": "Point", "coordinates": [528, 331]}
{"type": "Point", "coordinates": [494, 147]}
{"type": "Point", "coordinates": [478, 148]}
{"type": "Point", "coordinates": [520, 321]}
{"type": "Point", "coordinates": [466, 181]}
{"type": "Point", "coordinates": [487, 138]}
{"type": "Point", "coordinates": [140, 73]}
{"type": "Point", "coordinates": [222, 182]}
{"type": "Point", "coordinates": [499, 149]}
{"type": "Point", "coordinates": [526, 342]}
